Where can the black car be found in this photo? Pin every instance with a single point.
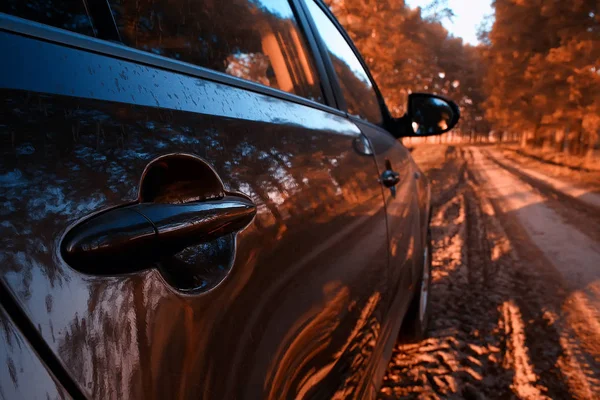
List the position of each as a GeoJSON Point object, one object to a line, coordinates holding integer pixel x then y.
{"type": "Point", "coordinates": [203, 199]}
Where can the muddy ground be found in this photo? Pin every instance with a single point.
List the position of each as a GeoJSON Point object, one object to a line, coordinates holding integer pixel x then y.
{"type": "Point", "coordinates": [515, 301]}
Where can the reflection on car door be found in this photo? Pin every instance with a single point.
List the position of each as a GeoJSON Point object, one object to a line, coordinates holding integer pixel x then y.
{"type": "Point", "coordinates": [299, 303]}
{"type": "Point", "coordinates": [358, 94]}
{"type": "Point", "coordinates": [404, 217]}
{"type": "Point", "coordinates": [402, 210]}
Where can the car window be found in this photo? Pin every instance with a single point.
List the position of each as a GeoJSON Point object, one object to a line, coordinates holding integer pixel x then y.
{"type": "Point", "coordinates": [358, 90]}
{"type": "Point", "coordinates": [65, 14]}
{"type": "Point", "coordinates": [257, 40]}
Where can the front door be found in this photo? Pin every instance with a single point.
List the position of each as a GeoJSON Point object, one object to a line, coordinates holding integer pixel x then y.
{"type": "Point", "coordinates": [287, 305]}
{"type": "Point", "coordinates": [358, 96]}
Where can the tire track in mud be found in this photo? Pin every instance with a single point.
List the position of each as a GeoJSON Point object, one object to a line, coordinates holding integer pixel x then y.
{"type": "Point", "coordinates": [568, 356]}
{"type": "Point", "coordinates": [495, 330]}
{"type": "Point", "coordinates": [585, 218]}
{"type": "Point", "coordinates": [463, 356]}
{"type": "Point", "coordinates": [505, 277]}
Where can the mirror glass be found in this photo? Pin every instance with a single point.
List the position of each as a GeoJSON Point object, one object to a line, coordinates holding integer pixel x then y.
{"type": "Point", "coordinates": [430, 115]}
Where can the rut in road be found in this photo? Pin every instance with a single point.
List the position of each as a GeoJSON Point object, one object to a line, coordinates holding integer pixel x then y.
{"type": "Point", "coordinates": [585, 218]}
{"type": "Point", "coordinates": [552, 240]}
{"type": "Point", "coordinates": [498, 328]}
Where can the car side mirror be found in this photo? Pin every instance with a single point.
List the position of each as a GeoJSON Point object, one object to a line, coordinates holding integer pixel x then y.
{"type": "Point", "coordinates": [427, 115]}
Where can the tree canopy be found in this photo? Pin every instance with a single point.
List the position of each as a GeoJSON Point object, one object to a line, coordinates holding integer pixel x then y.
{"type": "Point", "coordinates": [543, 79]}
{"type": "Point", "coordinates": [409, 52]}
{"type": "Point", "coordinates": [535, 77]}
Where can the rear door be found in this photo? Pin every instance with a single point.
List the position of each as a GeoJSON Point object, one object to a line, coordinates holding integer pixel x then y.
{"type": "Point", "coordinates": [357, 95]}
{"type": "Point", "coordinates": [205, 99]}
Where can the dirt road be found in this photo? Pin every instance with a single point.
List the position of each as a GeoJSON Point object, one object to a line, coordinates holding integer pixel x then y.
{"type": "Point", "coordinates": [516, 290]}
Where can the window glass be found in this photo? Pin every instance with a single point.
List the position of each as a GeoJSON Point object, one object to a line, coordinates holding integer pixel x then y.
{"type": "Point", "coordinates": [358, 91]}
{"type": "Point", "coordinates": [64, 14]}
{"type": "Point", "coordinates": [257, 40]}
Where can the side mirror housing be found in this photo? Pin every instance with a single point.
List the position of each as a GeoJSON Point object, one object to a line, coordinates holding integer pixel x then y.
{"type": "Point", "coordinates": [427, 115]}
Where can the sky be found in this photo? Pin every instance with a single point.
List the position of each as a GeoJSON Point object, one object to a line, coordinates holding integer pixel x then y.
{"type": "Point", "coordinates": [468, 16]}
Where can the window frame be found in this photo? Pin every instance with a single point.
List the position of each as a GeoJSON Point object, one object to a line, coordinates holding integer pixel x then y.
{"type": "Point", "coordinates": [104, 43]}
{"type": "Point", "coordinates": [104, 14]}
{"type": "Point", "coordinates": [332, 75]}
{"type": "Point", "coordinates": [107, 42]}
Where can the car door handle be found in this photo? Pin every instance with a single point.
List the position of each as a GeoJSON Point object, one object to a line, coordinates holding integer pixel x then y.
{"type": "Point", "coordinates": [119, 239]}
{"type": "Point", "coordinates": [389, 178]}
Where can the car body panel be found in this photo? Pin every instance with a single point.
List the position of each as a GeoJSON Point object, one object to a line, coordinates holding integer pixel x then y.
{"type": "Point", "coordinates": [403, 209]}
{"type": "Point", "coordinates": [300, 311]}
{"type": "Point", "coordinates": [404, 241]}
{"type": "Point", "coordinates": [407, 204]}
{"type": "Point", "coordinates": [25, 376]}
{"type": "Point", "coordinates": [310, 295]}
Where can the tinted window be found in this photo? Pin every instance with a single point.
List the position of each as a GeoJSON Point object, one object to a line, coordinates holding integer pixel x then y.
{"type": "Point", "coordinates": [256, 40]}
{"type": "Point", "coordinates": [64, 14]}
{"type": "Point", "coordinates": [356, 86]}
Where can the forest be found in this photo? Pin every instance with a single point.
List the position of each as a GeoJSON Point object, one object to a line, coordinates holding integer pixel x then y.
{"type": "Point", "coordinates": [534, 79]}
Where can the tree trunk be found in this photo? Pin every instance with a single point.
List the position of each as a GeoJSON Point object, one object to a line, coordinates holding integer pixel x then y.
{"type": "Point", "coordinates": [559, 139]}
{"type": "Point", "coordinates": [548, 142]}
{"type": "Point", "coordinates": [566, 141]}
{"type": "Point", "coordinates": [538, 138]}
{"type": "Point", "coordinates": [593, 153]}
{"type": "Point", "coordinates": [523, 139]}
{"type": "Point", "coordinates": [575, 140]}
{"type": "Point", "coordinates": [586, 144]}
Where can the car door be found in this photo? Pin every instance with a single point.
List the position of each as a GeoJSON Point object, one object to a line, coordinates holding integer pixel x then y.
{"type": "Point", "coordinates": [205, 105]}
{"type": "Point", "coordinates": [357, 94]}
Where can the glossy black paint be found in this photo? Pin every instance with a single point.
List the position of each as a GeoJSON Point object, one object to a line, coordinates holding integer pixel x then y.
{"type": "Point", "coordinates": [298, 307]}
{"type": "Point", "coordinates": [182, 203]}
{"type": "Point", "coordinates": [389, 177]}
{"type": "Point", "coordinates": [427, 115]}
{"type": "Point", "coordinates": [24, 374]}
{"type": "Point", "coordinates": [404, 206]}
{"type": "Point", "coordinates": [118, 241]}
{"type": "Point", "coordinates": [303, 302]}
{"type": "Point", "coordinates": [129, 239]}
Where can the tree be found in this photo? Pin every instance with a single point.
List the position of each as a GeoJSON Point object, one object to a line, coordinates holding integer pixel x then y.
{"type": "Point", "coordinates": [542, 78]}
{"type": "Point", "coordinates": [408, 53]}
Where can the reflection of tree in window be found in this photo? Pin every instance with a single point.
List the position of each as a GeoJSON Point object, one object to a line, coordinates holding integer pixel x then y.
{"type": "Point", "coordinates": [251, 66]}
{"type": "Point", "coordinates": [359, 95]}
{"type": "Point", "coordinates": [257, 42]}
{"type": "Point", "coordinates": [357, 89]}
